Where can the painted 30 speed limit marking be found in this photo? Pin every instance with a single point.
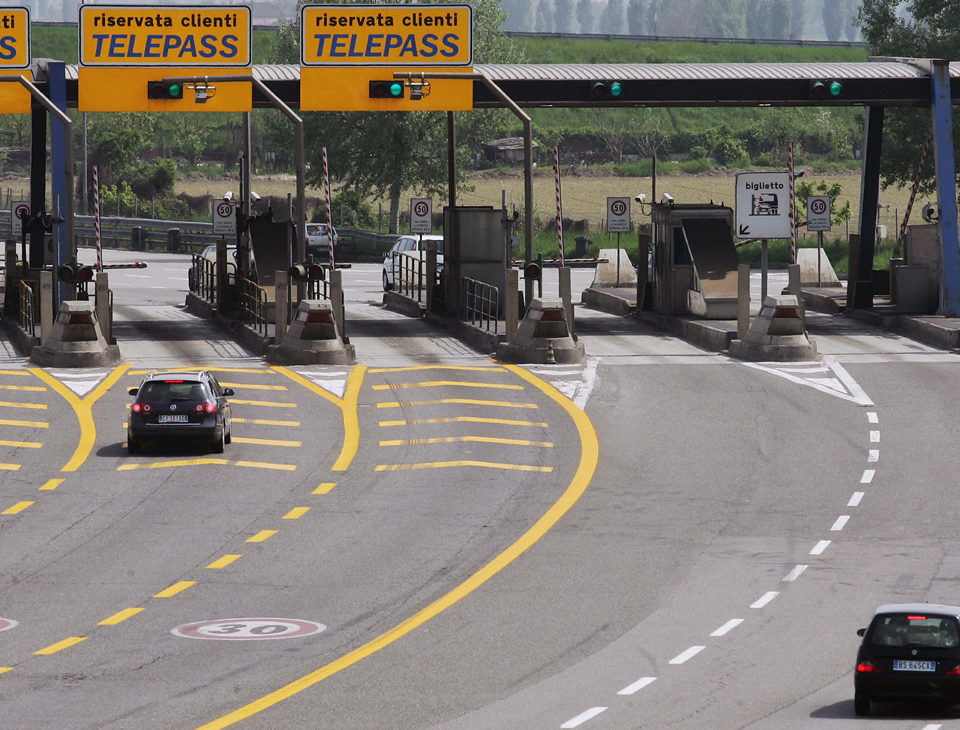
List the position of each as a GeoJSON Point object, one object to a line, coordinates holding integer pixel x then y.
{"type": "Point", "coordinates": [249, 629]}
{"type": "Point", "coordinates": [7, 623]}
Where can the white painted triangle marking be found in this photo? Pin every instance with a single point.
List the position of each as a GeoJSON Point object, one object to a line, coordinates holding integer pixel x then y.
{"type": "Point", "coordinates": [80, 381]}
{"type": "Point", "coordinates": [841, 386]}
{"type": "Point", "coordinates": [331, 381]}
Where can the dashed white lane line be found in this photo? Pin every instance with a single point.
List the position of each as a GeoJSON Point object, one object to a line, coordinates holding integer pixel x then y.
{"type": "Point", "coordinates": [872, 417]}
{"type": "Point", "coordinates": [820, 547]}
{"type": "Point", "coordinates": [764, 599]}
{"type": "Point", "coordinates": [873, 455]}
{"type": "Point", "coordinates": [874, 437]}
{"type": "Point", "coordinates": [637, 686]}
{"type": "Point", "coordinates": [868, 475]}
{"type": "Point", "coordinates": [843, 519]}
{"type": "Point", "coordinates": [687, 654]}
{"type": "Point", "coordinates": [855, 499]}
{"type": "Point", "coordinates": [583, 717]}
{"type": "Point", "coordinates": [795, 573]}
{"type": "Point", "coordinates": [727, 627]}
{"type": "Point", "coordinates": [932, 726]}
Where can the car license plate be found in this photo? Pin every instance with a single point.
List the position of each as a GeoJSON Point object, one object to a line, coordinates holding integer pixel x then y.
{"type": "Point", "coordinates": [172, 418]}
{"type": "Point", "coordinates": [912, 665]}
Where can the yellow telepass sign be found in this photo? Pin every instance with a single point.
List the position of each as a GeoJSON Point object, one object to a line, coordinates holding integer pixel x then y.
{"type": "Point", "coordinates": [173, 36]}
{"type": "Point", "coordinates": [386, 35]}
{"type": "Point", "coordinates": [14, 38]}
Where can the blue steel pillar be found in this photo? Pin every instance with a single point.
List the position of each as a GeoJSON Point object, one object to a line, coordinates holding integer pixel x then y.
{"type": "Point", "coordinates": [941, 115]}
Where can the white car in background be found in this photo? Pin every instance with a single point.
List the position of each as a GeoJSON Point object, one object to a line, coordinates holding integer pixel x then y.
{"type": "Point", "coordinates": [407, 244]}
{"type": "Point", "coordinates": [318, 240]}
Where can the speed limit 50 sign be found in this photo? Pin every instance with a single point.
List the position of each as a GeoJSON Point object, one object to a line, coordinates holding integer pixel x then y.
{"type": "Point", "coordinates": [421, 215]}
{"type": "Point", "coordinates": [618, 215]}
{"type": "Point", "coordinates": [225, 218]}
{"type": "Point", "coordinates": [818, 213]}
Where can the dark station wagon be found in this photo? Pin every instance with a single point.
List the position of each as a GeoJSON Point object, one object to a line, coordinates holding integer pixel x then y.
{"type": "Point", "coordinates": [179, 405]}
{"type": "Point", "coordinates": [910, 651]}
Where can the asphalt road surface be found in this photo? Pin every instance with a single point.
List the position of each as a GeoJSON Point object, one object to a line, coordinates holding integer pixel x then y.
{"type": "Point", "coordinates": [660, 537]}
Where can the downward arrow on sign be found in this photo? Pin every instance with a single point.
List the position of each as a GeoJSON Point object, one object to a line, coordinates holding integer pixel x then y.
{"type": "Point", "coordinates": [744, 231]}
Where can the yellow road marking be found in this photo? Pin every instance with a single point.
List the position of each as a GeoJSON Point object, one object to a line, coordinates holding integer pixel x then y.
{"type": "Point", "coordinates": [14, 372]}
{"type": "Point", "coordinates": [224, 561]}
{"type": "Point", "coordinates": [296, 513]}
{"type": "Point", "coordinates": [178, 587]}
{"type": "Point", "coordinates": [266, 422]}
{"type": "Point", "coordinates": [262, 536]}
{"type": "Point", "coordinates": [266, 442]}
{"type": "Point", "coordinates": [457, 439]}
{"type": "Point", "coordinates": [473, 368]}
{"type": "Point", "coordinates": [208, 460]}
{"type": "Point", "coordinates": [188, 368]}
{"type": "Point", "coordinates": [32, 406]}
{"type": "Point", "coordinates": [253, 386]}
{"type": "Point", "coordinates": [60, 645]}
{"type": "Point", "coordinates": [120, 616]}
{"type": "Point", "coordinates": [16, 509]}
{"type": "Point", "coordinates": [324, 488]}
{"type": "Point", "coordinates": [458, 401]}
{"type": "Point", "coordinates": [9, 467]}
{"type": "Point", "coordinates": [5, 669]}
{"type": "Point", "coordinates": [445, 383]}
{"type": "Point", "coordinates": [31, 388]}
{"type": "Point", "coordinates": [347, 406]}
{"type": "Point", "coordinates": [50, 485]}
{"type": "Point", "coordinates": [589, 456]}
{"type": "Point", "coordinates": [464, 419]}
{"type": "Point", "coordinates": [264, 403]}
{"type": "Point", "coordinates": [449, 464]}
{"type": "Point", "coordinates": [22, 444]}
{"type": "Point", "coordinates": [83, 408]}
{"type": "Point", "coordinates": [27, 424]}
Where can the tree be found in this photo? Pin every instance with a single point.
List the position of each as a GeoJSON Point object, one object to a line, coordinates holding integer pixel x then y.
{"type": "Point", "coordinates": [931, 30]}
{"type": "Point", "coordinates": [637, 17]}
{"type": "Point", "coordinates": [585, 14]}
{"type": "Point", "coordinates": [613, 17]}
{"type": "Point", "coordinates": [386, 153]}
{"type": "Point", "coordinates": [832, 13]}
{"type": "Point", "coordinates": [838, 213]}
{"type": "Point", "coordinates": [566, 16]}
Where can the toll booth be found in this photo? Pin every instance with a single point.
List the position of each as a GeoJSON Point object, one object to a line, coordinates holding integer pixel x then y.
{"type": "Point", "coordinates": [694, 260]}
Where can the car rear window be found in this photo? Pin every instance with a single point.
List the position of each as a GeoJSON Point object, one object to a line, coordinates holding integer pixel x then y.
{"type": "Point", "coordinates": [169, 390]}
{"type": "Point", "coordinates": [922, 630]}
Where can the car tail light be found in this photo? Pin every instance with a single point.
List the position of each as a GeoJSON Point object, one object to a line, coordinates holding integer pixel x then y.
{"type": "Point", "coordinates": [954, 672]}
{"type": "Point", "coordinates": [868, 666]}
{"type": "Point", "coordinates": [206, 407]}
{"type": "Point", "coordinates": [141, 407]}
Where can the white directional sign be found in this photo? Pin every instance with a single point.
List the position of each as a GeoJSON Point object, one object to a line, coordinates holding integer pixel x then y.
{"type": "Point", "coordinates": [225, 218]}
{"type": "Point", "coordinates": [618, 215]}
{"type": "Point", "coordinates": [818, 213]}
{"type": "Point", "coordinates": [421, 215]}
{"type": "Point", "coordinates": [21, 212]}
{"type": "Point", "coordinates": [763, 205]}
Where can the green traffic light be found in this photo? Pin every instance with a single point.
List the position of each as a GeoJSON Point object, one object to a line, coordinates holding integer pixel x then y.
{"type": "Point", "coordinates": [616, 89]}
{"type": "Point", "coordinates": [396, 89]}
{"type": "Point", "coordinates": [836, 88]}
{"type": "Point", "coordinates": [175, 91]}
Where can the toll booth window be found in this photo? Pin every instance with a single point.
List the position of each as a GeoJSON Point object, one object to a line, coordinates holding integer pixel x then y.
{"type": "Point", "coordinates": [681, 254]}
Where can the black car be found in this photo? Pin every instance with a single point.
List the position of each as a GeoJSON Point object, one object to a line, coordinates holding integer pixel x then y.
{"type": "Point", "coordinates": [910, 651]}
{"type": "Point", "coordinates": [178, 405]}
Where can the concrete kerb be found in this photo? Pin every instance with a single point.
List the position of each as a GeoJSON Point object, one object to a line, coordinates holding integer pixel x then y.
{"type": "Point", "coordinates": [75, 340]}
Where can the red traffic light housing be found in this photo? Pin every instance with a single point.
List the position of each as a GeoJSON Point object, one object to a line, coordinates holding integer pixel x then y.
{"type": "Point", "coordinates": [606, 90]}
{"type": "Point", "coordinates": [74, 273]}
{"type": "Point", "coordinates": [386, 89]}
{"type": "Point", "coordinates": [532, 272]}
{"type": "Point", "coordinates": [164, 90]}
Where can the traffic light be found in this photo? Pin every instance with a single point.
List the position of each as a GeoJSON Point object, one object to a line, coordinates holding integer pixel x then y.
{"type": "Point", "coordinates": [308, 271]}
{"type": "Point", "coordinates": [164, 90]}
{"type": "Point", "coordinates": [820, 89]}
{"type": "Point", "coordinates": [606, 90]}
{"type": "Point", "coordinates": [533, 271]}
{"type": "Point", "coordinates": [74, 273]}
{"type": "Point", "coordinates": [386, 89]}
{"type": "Point", "coordinates": [316, 272]}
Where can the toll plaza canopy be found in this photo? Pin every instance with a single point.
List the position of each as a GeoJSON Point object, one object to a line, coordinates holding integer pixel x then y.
{"type": "Point", "coordinates": [879, 82]}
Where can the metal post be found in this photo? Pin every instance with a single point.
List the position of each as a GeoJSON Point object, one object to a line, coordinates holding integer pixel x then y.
{"type": "Point", "coordinates": [566, 298]}
{"type": "Point", "coordinates": [860, 278]}
{"type": "Point", "coordinates": [946, 189]}
{"type": "Point", "coordinates": [281, 312]}
{"type": "Point", "coordinates": [743, 300]}
{"type": "Point", "coordinates": [451, 159]}
{"type": "Point", "coordinates": [763, 270]}
{"type": "Point", "coordinates": [511, 303]}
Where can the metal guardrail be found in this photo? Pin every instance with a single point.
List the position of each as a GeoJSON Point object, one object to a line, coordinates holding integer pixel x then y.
{"type": "Point", "coordinates": [676, 39]}
{"type": "Point", "coordinates": [28, 320]}
{"type": "Point", "coordinates": [253, 305]}
{"type": "Point", "coordinates": [481, 304]}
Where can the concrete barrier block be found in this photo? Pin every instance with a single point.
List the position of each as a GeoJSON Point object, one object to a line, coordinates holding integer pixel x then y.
{"type": "Point", "coordinates": [312, 338]}
{"type": "Point", "coordinates": [75, 339]}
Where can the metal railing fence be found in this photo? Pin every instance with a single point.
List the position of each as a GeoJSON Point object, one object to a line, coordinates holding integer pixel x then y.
{"type": "Point", "coordinates": [481, 304]}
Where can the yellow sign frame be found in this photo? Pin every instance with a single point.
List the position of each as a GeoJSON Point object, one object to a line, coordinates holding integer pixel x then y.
{"type": "Point", "coordinates": [386, 35]}
{"type": "Point", "coordinates": [14, 39]}
{"type": "Point", "coordinates": [140, 36]}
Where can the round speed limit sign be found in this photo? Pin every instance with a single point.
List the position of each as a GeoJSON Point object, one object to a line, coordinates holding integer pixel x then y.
{"type": "Point", "coordinates": [421, 219]}
{"type": "Point", "coordinates": [225, 219]}
{"type": "Point", "coordinates": [618, 215]}
{"type": "Point", "coordinates": [818, 206]}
